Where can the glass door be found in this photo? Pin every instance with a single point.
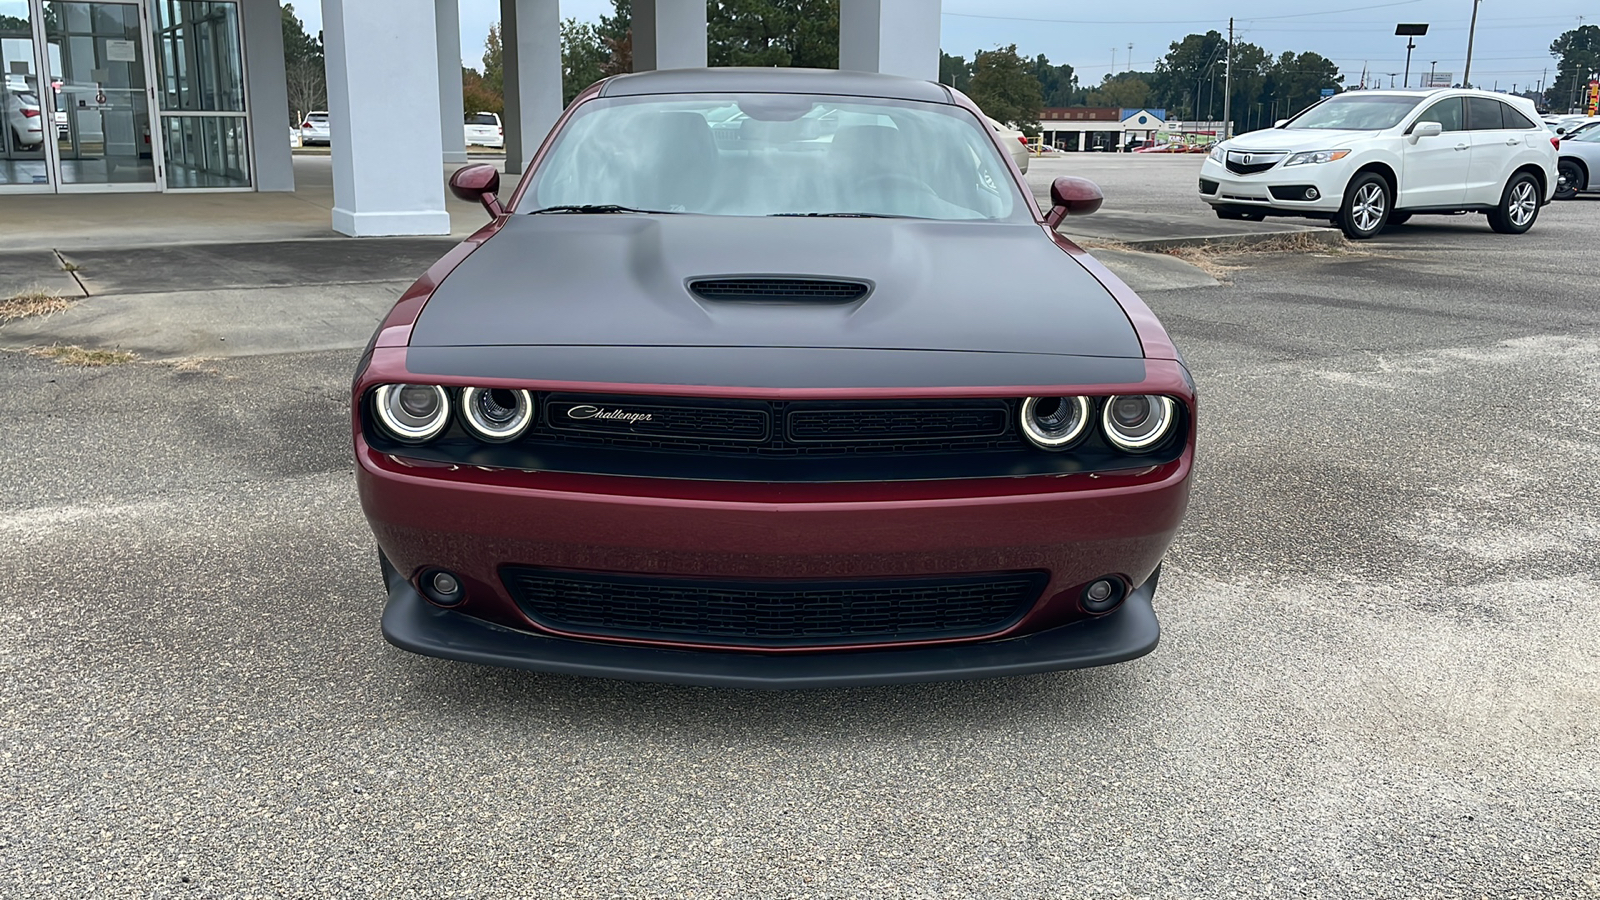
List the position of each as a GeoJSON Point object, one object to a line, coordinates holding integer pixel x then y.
{"type": "Point", "coordinates": [204, 125]}
{"type": "Point", "coordinates": [27, 120]}
{"type": "Point", "coordinates": [100, 68]}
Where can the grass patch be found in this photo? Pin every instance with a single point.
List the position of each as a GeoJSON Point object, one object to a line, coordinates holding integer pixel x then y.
{"type": "Point", "coordinates": [83, 357]}
{"type": "Point", "coordinates": [30, 304]}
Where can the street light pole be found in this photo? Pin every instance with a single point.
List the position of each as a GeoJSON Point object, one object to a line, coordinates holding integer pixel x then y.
{"type": "Point", "coordinates": [1410, 31]}
{"type": "Point", "coordinates": [1466, 73]}
{"type": "Point", "coordinates": [1432, 68]}
{"type": "Point", "coordinates": [1227, 89]}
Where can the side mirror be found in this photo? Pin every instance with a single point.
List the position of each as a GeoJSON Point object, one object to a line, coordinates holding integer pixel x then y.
{"type": "Point", "coordinates": [481, 184]}
{"type": "Point", "coordinates": [1280, 123]}
{"type": "Point", "coordinates": [1425, 129]}
{"type": "Point", "coordinates": [1071, 196]}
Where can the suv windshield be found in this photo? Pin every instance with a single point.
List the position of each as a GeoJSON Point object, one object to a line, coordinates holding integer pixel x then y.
{"type": "Point", "coordinates": [775, 154]}
{"type": "Point", "coordinates": [1356, 112]}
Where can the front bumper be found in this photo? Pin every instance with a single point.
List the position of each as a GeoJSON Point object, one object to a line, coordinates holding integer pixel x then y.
{"type": "Point", "coordinates": [1255, 191]}
{"type": "Point", "coordinates": [1131, 631]}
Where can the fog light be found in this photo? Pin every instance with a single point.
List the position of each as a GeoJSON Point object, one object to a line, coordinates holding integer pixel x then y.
{"type": "Point", "coordinates": [442, 588]}
{"type": "Point", "coordinates": [1312, 193]}
{"type": "Point", "coordinates": [1102, 595]}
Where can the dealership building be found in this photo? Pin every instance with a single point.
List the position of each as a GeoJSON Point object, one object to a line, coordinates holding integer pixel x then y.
{"type": "Point", "coordinates": [190, 95]}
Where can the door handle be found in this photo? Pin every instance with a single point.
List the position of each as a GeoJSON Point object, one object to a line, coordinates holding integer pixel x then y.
{"type": "Point", "coordinates": [1462, 146]}
{"type": "Point", "coordinates": [1513, 142]}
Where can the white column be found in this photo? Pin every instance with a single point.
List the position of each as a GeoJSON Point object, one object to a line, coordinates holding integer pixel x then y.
{"type": "Point", "coordinates": [262, 24]}
{"type": "Point", "coordinates": [530, 35]}
{"type": "Point", "coordinates": [669, 34]}
{"type": "Point", "coordinates": [896, 37]}
{"type": "Point", "coordinates": [452, 117]}
{"type": "Point", "coordinates": [1083, 141]}
{"type": "Point", "coordinates": [383, 96]}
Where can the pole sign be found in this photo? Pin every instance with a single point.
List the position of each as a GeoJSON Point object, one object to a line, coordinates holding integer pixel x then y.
{"type": "Point", "coordinates": [1440, 79]}
{"type": "Point", "coordinates": [1594, 98]}
{"type": "Point", "coordinates": [1328, 92]}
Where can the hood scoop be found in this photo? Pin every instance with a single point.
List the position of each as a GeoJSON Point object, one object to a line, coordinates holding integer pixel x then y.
{"type": "Point", "coordinates": [746, 289]}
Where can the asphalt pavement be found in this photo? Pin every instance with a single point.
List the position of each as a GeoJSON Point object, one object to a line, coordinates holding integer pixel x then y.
{"type": "Point", "coordinates": [1378, 676]}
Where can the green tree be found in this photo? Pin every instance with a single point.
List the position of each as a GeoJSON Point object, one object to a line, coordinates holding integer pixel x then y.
{"type": "Point", "coordinates": [616, 34]}
{"type": "Point", "coordinates": [305, 72]}
{"type": "Point", "coordinates": [476, 96]}
{"type": "Point", "coordinates": [494, 68]}
{"type": "Point", "coordinates": [954, 71]}
{"type": "Point", "coordinates": [1184, 76]}
{"type": "Point", "coordinates": [1058, 84]}
{"type": "Point", "coordinates": [1004, 87]}
{"type": "Point", "coordinates": [1577, 54]}
{"type": "Point", "coordinates": [1298, 80]}
{"type": "Point", "coordinates": [802, 33]}
{"type": "Point", "coordinates": [583, 58]}
{"type": "Point", "coordinates": [1127, 90]}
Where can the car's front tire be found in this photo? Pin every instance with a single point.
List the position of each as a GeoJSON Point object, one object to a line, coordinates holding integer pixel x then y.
{"type": "Point", "coordinates": [1569, 176]}
{"type": "Point", "coordinates": [1367, 200]}
{"type": "Point", "coordinates": [1519, 205]}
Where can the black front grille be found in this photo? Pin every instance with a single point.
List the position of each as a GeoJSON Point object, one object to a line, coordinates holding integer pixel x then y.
{"type": "Point", "coordinates": [813, 290]}
{"type": "Point", "coordinates": [778, 428]}
{"type": "Point", "coordinates": [1242, 163]}
{"type": "Point", "coordinates": [773, 613]}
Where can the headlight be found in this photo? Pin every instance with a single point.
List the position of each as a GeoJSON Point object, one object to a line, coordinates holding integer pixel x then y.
{"type": "Point", "coordinates": [496, 414]}
{"type": "Point", "coordinates": [1136, 422]}
{"type": "Point", "coordinates": [1054, 422]}
{"type": "Point", "coordinates": [413, 413]}
{"type": "Point", "coordinates": [1316, 157]}
{"type": "Point", "coordinates": [1219, 154]}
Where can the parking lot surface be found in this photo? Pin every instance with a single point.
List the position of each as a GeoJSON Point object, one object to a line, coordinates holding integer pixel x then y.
{"type": "Point", "coordinates": [1378, 676]}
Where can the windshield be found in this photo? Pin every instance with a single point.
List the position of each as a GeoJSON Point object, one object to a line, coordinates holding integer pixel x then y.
{"type": "Point", "coordinates": [776, 154]}
{"type": "Point", "coordinates": [1354, 112]}
{"type": "Point", "coordinates": [1588, 136]}
{"type": "Point", "coordinates": [482, 119]}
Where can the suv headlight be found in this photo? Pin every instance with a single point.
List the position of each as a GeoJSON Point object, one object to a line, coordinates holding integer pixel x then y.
{"type": "Point", "coordinates": [1218, 154]}
{"type": "Point", "coordinates": [1316, 157]}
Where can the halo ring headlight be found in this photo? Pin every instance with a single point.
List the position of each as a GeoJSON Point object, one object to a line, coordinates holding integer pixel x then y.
{"type": "Point", "coordinates": [496, 414]}
{"type": "Point", "coordinates": [1136, 422]}
{"type": "Point", "coordinates": [412, 413]}
{"type": "Point", "coordinates": [1053, 423]}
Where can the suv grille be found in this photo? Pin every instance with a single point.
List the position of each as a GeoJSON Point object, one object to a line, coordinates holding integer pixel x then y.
{"type": "Point", "coordinates": [1244, 162]}
{"type": "Point", "coordinates": [774, 613]}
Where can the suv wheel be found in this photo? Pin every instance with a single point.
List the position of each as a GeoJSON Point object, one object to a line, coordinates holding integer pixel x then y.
{"type": "Point", "coordinates": [1366, 206]}
{"type": "Point", "coordinates": [1519, 205]}
{"type": "Point", "coordinates": [1569, 175]}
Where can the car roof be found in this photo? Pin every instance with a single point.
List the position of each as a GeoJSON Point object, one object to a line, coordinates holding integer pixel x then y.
{"type": "Point", "coordinates": [735, 79]}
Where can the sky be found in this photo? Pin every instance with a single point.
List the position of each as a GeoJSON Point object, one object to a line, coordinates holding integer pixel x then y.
{"type": "Point", "coordinates": [1512, 47]}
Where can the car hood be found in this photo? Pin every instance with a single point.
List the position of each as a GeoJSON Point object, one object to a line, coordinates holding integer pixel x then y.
{"type": "Point", "coordinates": [621, 280]}
{"type": "Point", "coordinates": [1297, 139]}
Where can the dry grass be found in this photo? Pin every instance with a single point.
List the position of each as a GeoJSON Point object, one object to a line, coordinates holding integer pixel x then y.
{"type": "Point", "coordinates": [30, 304]}
{"type": "Point", "coordinates": [197, 364]}
{"type": "Point", "coordinates": [72, 355]}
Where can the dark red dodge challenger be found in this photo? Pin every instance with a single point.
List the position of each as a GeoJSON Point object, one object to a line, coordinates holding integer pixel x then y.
{"type": "Point", "coordinates": [773, 378]}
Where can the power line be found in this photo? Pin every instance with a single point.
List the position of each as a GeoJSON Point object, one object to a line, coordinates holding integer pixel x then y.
{"type": "Point", "coordinates": [1325, 12]}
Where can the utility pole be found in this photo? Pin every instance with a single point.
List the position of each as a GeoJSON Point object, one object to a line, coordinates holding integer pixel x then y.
{"type": "Point", "coordinates": [1130, 56]}
{"type": "Point", "coordinates": [1472, 31]}
{"type": "Point", "coordinates": [1227, 89]}
{"type": "Point", "coordinates": [1432, 68]}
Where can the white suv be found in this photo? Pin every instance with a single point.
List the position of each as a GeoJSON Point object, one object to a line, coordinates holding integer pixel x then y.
{"type": "Point", "coordinates": [1370, 159]}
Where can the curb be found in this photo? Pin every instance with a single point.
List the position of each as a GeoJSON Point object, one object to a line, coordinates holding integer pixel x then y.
{"type": "Point", "coordinates": [1331, 237]}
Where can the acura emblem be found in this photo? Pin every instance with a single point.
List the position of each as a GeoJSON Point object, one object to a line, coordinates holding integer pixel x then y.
{"type": "Point", "coordinates": [1248, 159]}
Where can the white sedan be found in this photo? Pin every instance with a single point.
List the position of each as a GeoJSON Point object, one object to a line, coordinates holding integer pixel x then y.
{"type": "Point", "coordinates": [24, 117]}
{"type": "Point", "coordinates": [1371, 159]}
{"type": "Point", "coordinates": [1578, 169]}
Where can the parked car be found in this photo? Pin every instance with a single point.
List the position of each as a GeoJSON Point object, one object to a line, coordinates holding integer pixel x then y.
{"type": "Point", "coordinates": [1578, 165]}
{"type": "Point", "coordinates": [315, 129]}
{"type": "Point", "coordinates": [1015, 142]}
{"type": "Point", "coordinates": [1371, 159]}
{"type": "Point", "coordinates": [698, 412]}
{"type": "Point", "coordinates": [1567, 126]}
{"type": "Point", "coordinates": [24, 117]}
{"type": "Point", "coordinates": [484, 130]}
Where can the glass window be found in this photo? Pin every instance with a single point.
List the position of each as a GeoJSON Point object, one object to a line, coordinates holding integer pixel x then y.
{"type": "Point", "coordinates": [1483, 114]}
{"type": "Point", "coordinates": [778, 154]}
{"type": "Point", "coordinates": [198, 56]}
{"type": "Point", "coordinates": [1589, 135]}
{"type": "Point", "coordinates": [1446, 112]}
{"type": "Point", "coordinates": [1356, 112]}
{"type": "Point", "coordinates": [25, 124]}
{"type": "Point", "coordinates": [1514, 119]}
{"type": "Point", "coordinates": [482, 119]}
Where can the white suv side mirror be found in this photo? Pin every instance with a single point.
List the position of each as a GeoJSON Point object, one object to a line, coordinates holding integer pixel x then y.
{"type": "Point", "coordinates": [1280, 123]}
{"type": "Point", "coordinates": [1425, 129]}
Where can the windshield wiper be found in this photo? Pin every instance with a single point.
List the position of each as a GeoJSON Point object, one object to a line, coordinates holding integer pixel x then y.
{"type": "Point", "coordinates": [843, 215]}
{"type": "Point", "coordinates": [599, 208]}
